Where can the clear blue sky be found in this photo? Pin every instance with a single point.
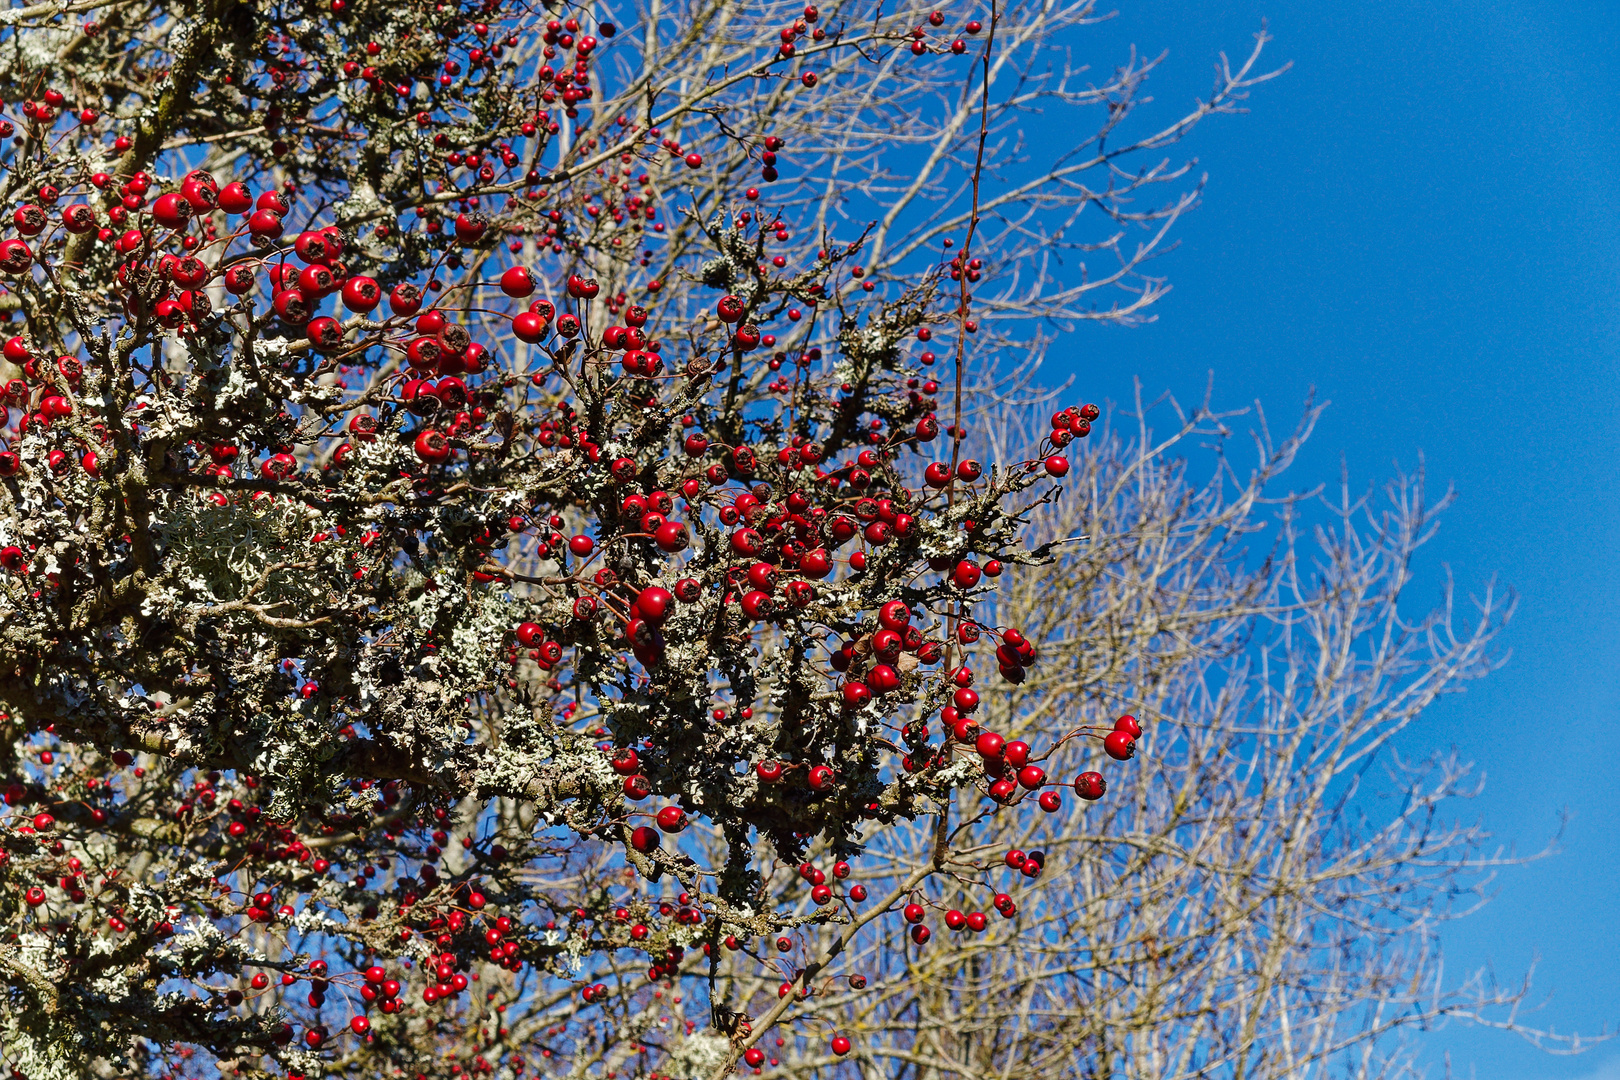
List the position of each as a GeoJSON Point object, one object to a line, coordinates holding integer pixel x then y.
{"type": "Point", "coordinates": [1420, 220]}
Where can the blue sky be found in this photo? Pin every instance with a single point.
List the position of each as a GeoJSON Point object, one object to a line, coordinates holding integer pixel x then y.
{"type": "Point", "coordinates": [1420, 221]}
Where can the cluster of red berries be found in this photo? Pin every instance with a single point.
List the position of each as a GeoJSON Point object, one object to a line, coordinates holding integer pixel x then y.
{"type": "Point", "coordinates": [664, 518]}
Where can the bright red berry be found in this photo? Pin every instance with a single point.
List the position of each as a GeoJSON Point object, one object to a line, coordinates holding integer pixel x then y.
{"type": "Point", "coordinates": [1119, 745]}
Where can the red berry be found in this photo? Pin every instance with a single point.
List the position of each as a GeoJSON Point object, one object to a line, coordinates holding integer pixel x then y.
{"type": "Point", "coordinates": [1119, 745]}
{"type": "Point", "coordinates": [1090, 786]}
{"type": "Point", "coordinates": [431, 446]}
{"type": "Point", "coordinates": [966, 574]}
{"type": "Point", "coordinates": [654, 604]}
{"type": "Point", "coordinates": [672, 819]}
{"type": "Point", "coordinates": [171, 211]}
{"type": "Point", "coordinates": [325, 334]}
{"type": "Point", "coordinates": [235, 198]}
{"type": "Point", "coordinates": [265, 225]}
{"type": "Point", "coordinates": [405, 299]}
{"type": "Point", "coordinates": [16, 257]}
{"type": "Point", "coordinates": [529, 327]}
{"type": "Point", "coordinates": [856, 695]}
{"type": "Point", "coordinates": [361, 294]}
{"type": "Point", "coordinates": [731, 308]}
{"type": "Point", "coordinates": [517, 282]}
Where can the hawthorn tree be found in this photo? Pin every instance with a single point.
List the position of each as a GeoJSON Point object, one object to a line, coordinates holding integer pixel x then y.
{"type": "Point", "coordinates": [479, 510]}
